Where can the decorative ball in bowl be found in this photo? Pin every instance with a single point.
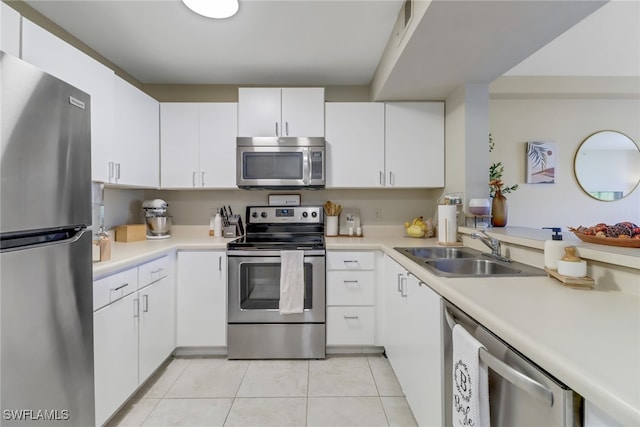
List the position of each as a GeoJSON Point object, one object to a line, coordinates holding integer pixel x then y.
{"type": "Point", "coordinates": [479, 206]}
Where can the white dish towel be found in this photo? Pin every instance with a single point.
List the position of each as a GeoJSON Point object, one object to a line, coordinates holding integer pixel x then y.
{"type": "Point", "coordinates": [291, 282]}
{"type": "Point", "coordinates": [470, 381]}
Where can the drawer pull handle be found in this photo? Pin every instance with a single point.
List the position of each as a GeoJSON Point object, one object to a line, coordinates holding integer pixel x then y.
{"type": "Point", "coordinates": [120, 287]}
{"type": "Point", "coordinates": [157, 271]}
{"type": "Point", "coordinates": [346, 282]}
{"type": "Point", "coordinates": [350, 317]}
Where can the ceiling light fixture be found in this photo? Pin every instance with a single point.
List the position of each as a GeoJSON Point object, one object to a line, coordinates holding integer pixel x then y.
{"type": "Point", "coordinates": [218, 9]}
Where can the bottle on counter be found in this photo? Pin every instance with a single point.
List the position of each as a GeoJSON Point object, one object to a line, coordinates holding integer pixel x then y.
{"type": "Point", "coordinates": [217, 224]}
{"type": "Point", "coordinates": [554, 248]}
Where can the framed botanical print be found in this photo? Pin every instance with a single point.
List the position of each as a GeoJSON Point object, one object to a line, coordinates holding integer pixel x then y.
{"type": "Point", "coordinates": [541, 162]}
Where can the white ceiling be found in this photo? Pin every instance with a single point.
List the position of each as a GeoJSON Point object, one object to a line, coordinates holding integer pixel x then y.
{"type": "Point", "coordinates": [295, 42]}
{"type": "Point", "coordinates": [319, 42]}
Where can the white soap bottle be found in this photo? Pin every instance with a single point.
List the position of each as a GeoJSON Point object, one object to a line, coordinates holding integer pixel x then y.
{"type": "Point", "coordinates": [554, 248]}
{"type": "Point", "coordinates": [217, 225]}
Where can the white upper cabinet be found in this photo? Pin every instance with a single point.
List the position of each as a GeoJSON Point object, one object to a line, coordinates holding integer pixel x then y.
{"type": "Point", "coordinates": [218, 130]}
{"type": "Point", "coordinates": [9, 30]}
{"type": "Point", "coordinates": [281, 112]}
{"type": "Point", "coordinates": [355, 144]}
{"type": "Point", "coordinates": [414, 144]}
{"type": "Point", "coordinates": [385, 145]}
{"type": "Point", "coordinates": [56, 57]}
{"type": "Point", "coordinates": [198, 143]}
{"type": "Point", "coordinates": [134, 158]}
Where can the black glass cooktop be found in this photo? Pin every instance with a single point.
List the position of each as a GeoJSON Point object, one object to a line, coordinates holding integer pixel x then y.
{"type": "Point", "coordinates": [278, 241]}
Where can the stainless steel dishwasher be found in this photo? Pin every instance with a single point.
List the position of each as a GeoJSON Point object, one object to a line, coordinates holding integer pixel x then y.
{"type": "Point", "coordinates": [520, 392]}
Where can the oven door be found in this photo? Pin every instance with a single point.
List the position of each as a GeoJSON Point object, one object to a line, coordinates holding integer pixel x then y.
{"type": "Point", "coordinates": [254, 288]}
{"type": "Point", "coordinates": [272, 167]}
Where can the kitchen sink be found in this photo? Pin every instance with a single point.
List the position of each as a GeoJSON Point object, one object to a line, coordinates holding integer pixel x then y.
{"type": "Point", "coordinates": [439, 252]}
{"type": "Point", "coordinates": [477, 267]}
{"type": "Point", "coordinates": [466, 262]}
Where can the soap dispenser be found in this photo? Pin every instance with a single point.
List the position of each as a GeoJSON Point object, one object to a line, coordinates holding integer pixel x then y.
{"type": "Point", "coordinates": [554, 248]}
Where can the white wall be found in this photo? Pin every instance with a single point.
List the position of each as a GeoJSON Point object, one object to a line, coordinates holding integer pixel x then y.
{"type": "Point", "coordinates": [568, 122]}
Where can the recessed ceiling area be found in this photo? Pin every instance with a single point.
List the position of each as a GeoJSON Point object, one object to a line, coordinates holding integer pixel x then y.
{"type": "Point", "coordinates": [320, 42]}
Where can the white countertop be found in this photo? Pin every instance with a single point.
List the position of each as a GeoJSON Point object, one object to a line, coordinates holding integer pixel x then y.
{"type": "Point", "coordinates": [588, 339]}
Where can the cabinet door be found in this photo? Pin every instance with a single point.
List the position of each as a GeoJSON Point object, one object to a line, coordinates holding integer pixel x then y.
{"type": "Point", "coordinates": [218, 130]}
{"type": "Point", "coordinates": [9, 30]}
{"type": "Point", "coordinates": [179, 145]}
{"type": "Point", "coordinates": [64, 61]}
{"type": "Point", "coordinates": [302, 112]}
{"type": "Point", "coordinates": [397, 323]}
{"type": "Point", "coordinates": [414, 144]}
{"type": "Point", "coordinates": [355, 144]}
{"type": "Point", "coordinates": [423, 387]}
{"type": "Point", "coordinates": [115, 345]}
{"type": "Point", "coordinates": [157, 325]}
{"type": "Point", "coordinates": [202, 298]}
{"type": "Point", "coordinates": [137, 141]}
{"type": "Point", "coordinates": [259, 112]}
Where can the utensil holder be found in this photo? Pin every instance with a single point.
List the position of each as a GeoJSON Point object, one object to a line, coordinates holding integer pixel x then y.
{"type": "Point", "coordinates": [332, 226]}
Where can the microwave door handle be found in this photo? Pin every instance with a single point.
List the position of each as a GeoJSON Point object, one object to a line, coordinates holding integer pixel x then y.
{"type": "Point", "coordinates": [306, 166]}
{"type": "Point", "coordinates": [517, 378]}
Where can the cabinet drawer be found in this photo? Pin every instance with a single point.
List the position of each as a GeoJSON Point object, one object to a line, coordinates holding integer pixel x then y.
{"type": "Point", "coordinates": [350, 326]}
{"type": "Point", "coordinates": [114, 287]}
{"type": "Point", "coordinates": [345, 260]}
{"type": "Point", "coordinates": [350, 287]}
{"type": "Point", "coordinates": [153, 271]}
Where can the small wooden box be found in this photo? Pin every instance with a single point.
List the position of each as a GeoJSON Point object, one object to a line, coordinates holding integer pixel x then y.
{"type": "Point", "coordinates": [131, 233]}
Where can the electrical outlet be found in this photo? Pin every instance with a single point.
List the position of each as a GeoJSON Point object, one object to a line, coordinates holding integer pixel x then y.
{"type": "Point", "coordinates": [378, 214]}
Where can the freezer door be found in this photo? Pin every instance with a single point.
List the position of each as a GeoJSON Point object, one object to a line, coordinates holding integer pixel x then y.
{"type": "Point", "coordinates": [46, 150]}
{"type": "Point", "coordinates": [46, 345]}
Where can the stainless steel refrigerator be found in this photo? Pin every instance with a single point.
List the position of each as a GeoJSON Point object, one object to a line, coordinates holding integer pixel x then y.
{"type": "Point", "coordinates": [46, 298]}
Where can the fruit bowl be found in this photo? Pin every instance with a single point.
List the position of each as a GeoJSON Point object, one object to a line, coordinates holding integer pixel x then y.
{"type": "Point", "coordinates": [610, 241]}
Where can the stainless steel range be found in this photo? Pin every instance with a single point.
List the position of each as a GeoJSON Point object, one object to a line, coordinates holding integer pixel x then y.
{"type": "Point", "coordinates": [256, 327]}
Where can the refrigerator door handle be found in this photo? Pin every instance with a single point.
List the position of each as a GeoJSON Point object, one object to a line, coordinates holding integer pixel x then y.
{"type": "Point", "coordinates": [518, 379]}
{"type": "Point", "coordinates": [41, 238]}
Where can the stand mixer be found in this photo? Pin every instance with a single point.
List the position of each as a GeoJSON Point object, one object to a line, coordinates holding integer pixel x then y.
{"type": "Point", "coordinates": [156, 218]}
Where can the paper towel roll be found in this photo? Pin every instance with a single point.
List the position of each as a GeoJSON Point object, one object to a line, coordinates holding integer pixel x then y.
{"type": "Point", "coordinates": [447, 223]}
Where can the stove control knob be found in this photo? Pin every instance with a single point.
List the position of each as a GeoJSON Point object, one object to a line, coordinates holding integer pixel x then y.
{"type": "Point", "coordinates": [305, 214]}
{"type": "Point", "coordinates": [254, 215]}
{"type": "Point", "coordinates": [314, 214]}
{"type": "Point", "coordinates": [263, 214]}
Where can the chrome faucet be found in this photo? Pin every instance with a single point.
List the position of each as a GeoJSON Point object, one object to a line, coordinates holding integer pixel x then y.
{"type": "Point", "coordinates": [492, 243]}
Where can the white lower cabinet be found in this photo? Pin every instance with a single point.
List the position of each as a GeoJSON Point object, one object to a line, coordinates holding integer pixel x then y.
{"type": "Point", "coordinates": [115, 346]}
{"type": "Point", "coordinates": [133, 334]}
{"type": "Point", "coordinates": [157, 319]}
{"type": "Point", "coordinates": [202, 299]}
{"type": "Point", "coordinates": [351, 287]}
{"type": "Point", "coordinates": [414, 342]}
{"type": "Point", "coordinates": [596, 417]}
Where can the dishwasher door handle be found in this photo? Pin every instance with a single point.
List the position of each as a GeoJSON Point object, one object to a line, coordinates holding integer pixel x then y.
{"type": "Point", "coordinates": [515, 377]}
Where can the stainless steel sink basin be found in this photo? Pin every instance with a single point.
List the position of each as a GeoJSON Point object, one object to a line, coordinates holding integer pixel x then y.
{"type": "Point", "coordinates": [478, 267]}
{"type": "Point", "coordinates": [438, 252]}
{"type": "Point", "coordinates": [466, 262]}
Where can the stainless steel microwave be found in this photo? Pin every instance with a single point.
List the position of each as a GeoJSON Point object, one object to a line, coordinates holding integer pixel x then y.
{"type": "Point", "coordinates": [280, 162]}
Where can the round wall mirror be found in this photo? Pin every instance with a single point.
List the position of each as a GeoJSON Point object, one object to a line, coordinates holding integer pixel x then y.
{"type": "Point", "coordinates": [607, 165]}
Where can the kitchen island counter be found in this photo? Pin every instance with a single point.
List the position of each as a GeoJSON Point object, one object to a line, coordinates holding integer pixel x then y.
{"type": "Point", "coordinates": [588, 339]}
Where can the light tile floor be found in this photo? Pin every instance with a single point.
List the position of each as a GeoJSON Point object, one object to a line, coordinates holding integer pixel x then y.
{"type": "Point", "coordinates": [338, 391]}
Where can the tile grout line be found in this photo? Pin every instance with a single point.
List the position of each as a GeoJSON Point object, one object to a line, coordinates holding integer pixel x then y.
{"type": "Point", "coordinates": [384, 411]}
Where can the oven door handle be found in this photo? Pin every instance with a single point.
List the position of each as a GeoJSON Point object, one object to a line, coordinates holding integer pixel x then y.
{"type": "Point", "coordinates": [268, 253]}
{"type": "Point", "coordinates": [515, 377]}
